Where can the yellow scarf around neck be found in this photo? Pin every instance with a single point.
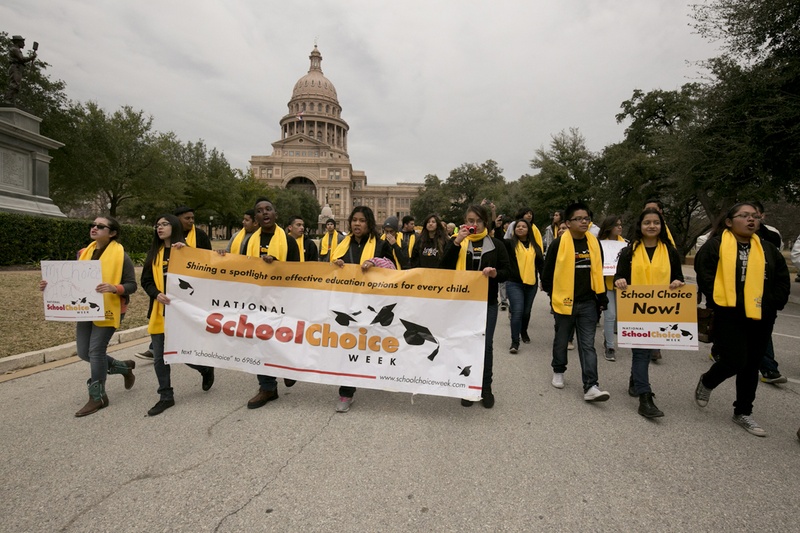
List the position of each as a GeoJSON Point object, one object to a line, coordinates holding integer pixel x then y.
{"type": "Point", "coordinates": [278, 248]}
{"type": "Point", "coordinates": [669, 235]}
{"type": "Point", "coordinates": [645, 271]}
{"type": "Point", "coordinates": [368, 252]}
{"type": "Point", "coordinates": [526, 261]}
{"type": "Point", "coordinates": [564, 283]}
{"type": "Point", "coordinates": [461, 264]}
{"type": "Point", "coordinates": [537, 236]}
{"type": "Point", "coordinates": [156, 324]}
{"type": "Point", "coordinates": [236, 244]}
{"type": "Point", "coordinates": [398, 237]}
{"type": "Point", "coordinates": [328, 243]}
{"type": "Point", "coordinates": [725, 280]}
{"type": "Point", "coordinates": [191, 238]}
{"type": "Point", "coordinates": [111, 262]}
{"type": "Point", "coordinates": [301, 246]}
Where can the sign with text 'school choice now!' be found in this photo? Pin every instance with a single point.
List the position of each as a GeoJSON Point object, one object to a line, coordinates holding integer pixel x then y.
{"type": "Point", "coordinates": [418, 331]}
{"type": "Point", "coordinates": [656, 317]}
{"type": "Point", "coordinates": [70, 295]}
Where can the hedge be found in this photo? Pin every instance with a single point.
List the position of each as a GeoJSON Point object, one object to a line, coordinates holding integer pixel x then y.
{"type": "Point", "coordinates": [27, 239]}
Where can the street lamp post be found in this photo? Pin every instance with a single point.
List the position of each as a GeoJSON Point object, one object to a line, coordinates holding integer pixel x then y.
{"type": "Point", "coordinates": [211, 226]}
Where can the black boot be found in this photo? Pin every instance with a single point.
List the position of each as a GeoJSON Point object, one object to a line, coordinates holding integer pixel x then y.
{"type": "Point", "coordinates": [646, 406]}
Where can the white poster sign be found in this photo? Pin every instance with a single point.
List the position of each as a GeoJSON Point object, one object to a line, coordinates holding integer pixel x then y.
{"type": "Point", "coordinates": [70, 295]}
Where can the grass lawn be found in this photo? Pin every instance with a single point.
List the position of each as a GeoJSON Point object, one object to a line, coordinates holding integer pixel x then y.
{"type": "Point", "coordinates": [22, 310]}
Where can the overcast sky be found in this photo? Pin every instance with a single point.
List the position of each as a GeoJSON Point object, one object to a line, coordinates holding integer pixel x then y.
{"type": "Point", "coordinates": [424, 85]}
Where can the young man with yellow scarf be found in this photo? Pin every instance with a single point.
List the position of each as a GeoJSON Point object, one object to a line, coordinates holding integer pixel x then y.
{"type": "Point", "coordinates": [474, 249]}
{"type": "Point", "coordinates": [195, 237]}
{"type": "Point", "coordinates": [329, 241]}
{"type": "Point", "coordinates": [270, 243]}
{"type": "Point", "coordinates": [297, 230]}
{"type": "Point", "coordinates": [573, 277]}
{"type": "Point", "coordinates": [649, 260]}
{"type": "Point", "coordinates": [746, 281]}
{"type": "Point", "coordinates": [239, 242]}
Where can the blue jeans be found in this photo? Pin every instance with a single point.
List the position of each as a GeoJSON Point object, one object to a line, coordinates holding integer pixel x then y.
{"type": "Point", "coordinates": [520, 299]}
{"type": "Point", "coordinates": [768, 362]}
{"type": "Point", "coordinates": [610, 319]}
{"type": "Point", "coordinates": [268, 383]}
{"type": "Point", "coordinates": [584, 320]}
{"type": "Point", "coordinates": [640, 370]}
{"type": "Point", "coordinates": [92, 344]}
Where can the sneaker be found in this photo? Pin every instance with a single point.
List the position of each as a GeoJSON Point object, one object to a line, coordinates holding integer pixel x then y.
{"type": "Point", "coordinates": [147, 354]}
{"type": "Point", "coordinates": [525, 338]}
{"type": "Point", "coordinates": [774, 377]}
{"type": "Point", "coordinates": [594, 394]}
{"type": "Point", "coordinates": [701, 393]}
{"type": "Point", "coordinates": [655, 356]}
{"type": "Point", "coordinates": [343, 405]}
{"type": "Point", "coordinates": [160, 407]}
{"type": "Point", "coordinates": [558, 380]}
{"type": "Point", "coordinates": [611, 354]}
{"type": "Point", "coordinates": [514, 347]}
{"type": "Point", "coordinates": [570, 346]}
{"type": "Point", "coordinates": [747, 422]}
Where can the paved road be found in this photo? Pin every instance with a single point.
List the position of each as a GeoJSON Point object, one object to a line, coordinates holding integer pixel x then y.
{"type": "Point", "coordinates": [542, 459]}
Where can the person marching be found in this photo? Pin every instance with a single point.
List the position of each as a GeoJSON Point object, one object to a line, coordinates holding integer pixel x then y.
{"type": "Point", "coordinates": [746, 281]}
{"type": "Point", "coordinates": [329, 241]}
{"type": "Point", "coordinates": [430, 244]}
{"type": "Point", "coordinates": [525, 258]}
{"type": "Point", "coordinates": [390, 236]}
{"type": "Point", "coordinates": [91, 338]}
{"type": "Point", "coordinates": [360, 247]}
{"type": "Point", "coordinates": [167, 234]}
{"type": "Point", "coordinates": [610, 230]}
{"type": "Point", "coordinates": [407, 239]}
{"type": "Point", "coordinates": [297, 230]}
{"type": "Point", "coordinates": [650, 259]}
{"type": "Point", "coordinates": [270, 243]}
{"type": "Point", "coordinates": [238, 243]}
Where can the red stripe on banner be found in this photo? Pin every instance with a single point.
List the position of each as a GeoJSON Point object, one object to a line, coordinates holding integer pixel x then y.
{"type": "Point", "coordinates": [327, 373]}
{"type": "Point", "coordinates": [474, 387]}
{"type": "Point", "coordinates": [171, 353]}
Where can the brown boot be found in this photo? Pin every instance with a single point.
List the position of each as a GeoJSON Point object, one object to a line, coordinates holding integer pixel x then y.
{"type": "Point", "coordinates": [126, 369]}
{"type": "Point", "coordinates": [97, 400]}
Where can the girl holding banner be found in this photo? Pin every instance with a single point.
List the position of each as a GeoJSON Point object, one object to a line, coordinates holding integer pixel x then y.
{"type": "Point", "coordinates": [119, 282]}
{"type": "Point", "coordinates": [650, 259]}
{"type": "Point", "coordinates": [167, 233]}
{"type": "Point", "coordinates": [746, 281]}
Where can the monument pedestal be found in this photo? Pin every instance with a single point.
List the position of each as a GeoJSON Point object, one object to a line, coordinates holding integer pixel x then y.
{"type": "Point", "coordinates": [25, 165]}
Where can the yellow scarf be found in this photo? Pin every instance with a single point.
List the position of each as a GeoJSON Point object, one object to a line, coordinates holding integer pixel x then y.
{"type": "Point", "coordinates": [526, 261]}
{"type": "Point", "coordinates": [191, 238]}
{"type": "Point", "coordinates": [669, 234]}
{"type": "Point", "coordinates": [645, 271]}
{"type": "Point", "coordinates": [301, 246]}
{"type": "Point", "coordinates": [725, 280]}
{"type": "Point", "coordinates": [236, 245]}
{"type": "Point", "coordinates": [368, 252]}
{"type": "Point", "coordinates": [537, 236]}
{"type": "Point", "coordinates": [328, 243]}
{"type": "Point", "coordinates": [610, 279]}
{"type": "Point", "coordinates": [111, 262]}
{"type": "Point", "coordinates": [564, 283]}
{"type": "Point", "coordinates": [156, 324]}
{"type": "Point", "coordinates": [461, 264]}
{"type": "Point", "coordinates": [278, 248]}
{"type": "Point", "coordinates": [398, 237]}
{"type": "Point", "coordinates": [412, 241]}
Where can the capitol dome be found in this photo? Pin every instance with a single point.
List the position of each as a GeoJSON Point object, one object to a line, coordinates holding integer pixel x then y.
{"type": "Point", "coordinates": [315, 84]}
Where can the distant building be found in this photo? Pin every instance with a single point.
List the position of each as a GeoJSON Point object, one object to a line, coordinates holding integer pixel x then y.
{"type": "Point", "coordinates": [312, 155]}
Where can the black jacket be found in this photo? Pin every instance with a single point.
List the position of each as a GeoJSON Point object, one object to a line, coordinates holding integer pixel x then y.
{"type": "Point", "coordinates": [777, 285]}
{"type": "Point", "coordinates": [514, 274]}
{"type": "Point", "coordinates": [496, 258]}
{"type": "Point", "coordinates": [548, 273]}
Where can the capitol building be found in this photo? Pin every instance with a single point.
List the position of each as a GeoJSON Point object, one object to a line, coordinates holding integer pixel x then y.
{"type": "Point", "coordinates": [312, 155]}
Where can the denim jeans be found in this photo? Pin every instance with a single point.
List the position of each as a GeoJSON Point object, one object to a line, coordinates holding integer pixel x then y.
{"type": "Point", "coordinates": [268, 383]}
{"type": "Point", "coordinates": [162, 369]}
{"type": "Point", "coordinates": [520, 299]}
{"type": "Point", "coordinates": [768, 362]}
{"type": "Point", "coordinates": [584, 321]}
{"type": "Point", "coordinates": [501, 292]}
{"type": "Point", "coordinates": [91, 343]}
{"type": "Point", "coordinates": [610, 319]}
{"type": "Point", "coordinates": [640, 370]}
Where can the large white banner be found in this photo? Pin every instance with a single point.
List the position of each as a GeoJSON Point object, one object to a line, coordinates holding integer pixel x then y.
{"type": "Point", "coordinates": [70, 295]}
{"type": "Point", "coordinates": [417, 331]}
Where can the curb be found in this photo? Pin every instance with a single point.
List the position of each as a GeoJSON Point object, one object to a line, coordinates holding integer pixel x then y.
{"type": "Point", "coordinates": [63, 351]}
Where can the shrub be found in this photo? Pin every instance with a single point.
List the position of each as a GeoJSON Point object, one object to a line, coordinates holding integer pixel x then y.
{"type": "Point", "coordinates": [28, 239]}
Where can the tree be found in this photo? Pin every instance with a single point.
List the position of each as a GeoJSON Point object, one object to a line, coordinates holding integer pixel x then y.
{"type": "Point", "coordinates": [470, 184]}
{"type": "Point", "coordinates": [432, 198]}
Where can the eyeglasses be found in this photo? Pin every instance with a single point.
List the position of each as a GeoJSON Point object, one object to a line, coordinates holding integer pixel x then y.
{"type": "Point", "coordinates": [98, 226]}
{"type": "Point", "coordinates": [581, 219]}
{"type": "Point", "coordinates": [162, 225]}
{"type": "Point", "coordinates": [754, 216]}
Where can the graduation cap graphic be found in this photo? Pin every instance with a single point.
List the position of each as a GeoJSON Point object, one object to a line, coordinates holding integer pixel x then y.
{"type": "Point", "coordinates": [344, 319]}
{"type": "Point", "coordinates": [185, 285]}
{"type": "Point", "coordinates": [79, 301]}
{"type": "Point", "coordinates": [416, 335]}
{"type": "Point", "coordinates": [385, 316]}
{"type": "Point", "coordinates": [674, 327]}
{"type": "Point", "coordinates": [465, 371]}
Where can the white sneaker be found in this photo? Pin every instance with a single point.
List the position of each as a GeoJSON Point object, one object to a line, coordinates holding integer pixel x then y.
{"type": "Point", "coordinates": [558, 380]}
{"type": "Point", "coordinates": [343, 404]}
{"type": "Point", "coordinates": [594, 394]}
{"type": "Point", "coordinates": [747, 422]}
